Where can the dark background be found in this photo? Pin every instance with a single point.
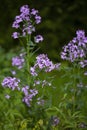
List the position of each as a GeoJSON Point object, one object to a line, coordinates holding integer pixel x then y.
{"type": "Point", "coordinates": [60, 20]}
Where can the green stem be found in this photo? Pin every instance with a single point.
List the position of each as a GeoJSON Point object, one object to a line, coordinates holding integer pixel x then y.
{"type": "Point", "coordinates": [74, 86]}
{"type": "Point", "coordinates": [28, 59]}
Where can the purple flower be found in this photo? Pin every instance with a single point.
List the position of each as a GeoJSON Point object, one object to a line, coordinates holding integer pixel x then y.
{"type": "Point", "coordinates": [29, 94]}
{"type": "Point", "coordinates": [7, 96]}
{"type": "Point", "coordinates": [25, 9]}
{"type": "Point", "coordinates": [36, 82]}
{"type": "Point", "coordinates": [38, 38]}
{"type": "Point", "coordinates": [80, 34]}
{"type": "Point", "coordinates": [13, 72]}
{"type": "Point", "coordinates": [25, 90]}
{"type": "Point", "coordinates": [37, 19]}
{"type": "Point", "coordinates": [34, 12]}
{"type": "Point", "coordinates": [15, 35]}
{"type": "Point", "coordinates": [15, 25]}
{"type": "Point", "coordinates": [33, 71]}
{"type": "Point", "coordinates": [33, 92]}
{"type": "Point", "coordinates": [11, 83]}
{"type": "Point", "coordinates": [18, 19]}
{"type": "Point", "coordinates": [18, 61]}
{"type": "Point", "coordinates": [27, 100]}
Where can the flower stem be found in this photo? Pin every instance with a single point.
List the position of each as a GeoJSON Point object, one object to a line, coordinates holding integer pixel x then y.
{"type": "Point", "coordinates": [74, 87]}
{"type": "Point", "coordinates": [28, 58]}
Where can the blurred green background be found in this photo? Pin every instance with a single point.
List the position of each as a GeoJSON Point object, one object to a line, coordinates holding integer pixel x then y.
{"type": "Point", "coordinates": [60, 20]}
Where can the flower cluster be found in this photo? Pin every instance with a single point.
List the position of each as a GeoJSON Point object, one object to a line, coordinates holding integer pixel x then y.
{"type": "Point", "coordinates": [18, 61]}
{"type": "Point", "coordinates": [76, 49]}
{"type": "Point", "coordinates": [43, 62]}
{"type": "Point", "coordinates": [25, 22]}
{"type": "Point", "coordinates": [11, 83]}
{"type": "Point", "coordinates": [29, 94]}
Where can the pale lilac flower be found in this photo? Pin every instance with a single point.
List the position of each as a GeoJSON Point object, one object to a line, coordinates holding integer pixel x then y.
{"type": "Point", "coordinates": [25, 9]}
{"type": "Point", "coordinates": [80, 85]}
{"type": "Point", "coordinates": [18, 61]}
{"type": "Point", "coordinates": [15, 25]}
{"type": "Point", "coordinates": [40, 101]}
{"type": "Point", "coordinates": [13, 72]}
{"type": "Point", "coordinates": [82, 125]}
{"type": "Point", "coordinates": [33, 92]}
{"type": "Point", "coordinates": [33, 71]}
{"type": "Point", "coordinates": [34, 11]}
{"type": "Point", "coordinates": [36, 82]}
{"type": "Point", "coordinates": [80, 34]}
{"type": "Point", "coordinates": [83, 63]}
{"type": "Point", "coordinates": [18, 19]}
{"type": "Point", "coordinates": [7, 96]}
{"type": "Point", "coordinates": [25, 90]}
{"type": "Point", "coordinates": [85, 73]}
{"type": "Point", "coordinates": [45, 83]}
{"type": "Point", "coordinates": [37, 19]}
{"type": "Point", "coordinates": [42, 83]}
{"type": "Point", "coordinates": [25, 18]}
{"type": "Point", "coordinates": [27, 100]}
{"type": "Point", "coordinates": [82, 39]}
{"type": "Point", "coordinates": [29, 94]}
{"type": "Point", "coordinates": [22, 54]}
{"type": "Point", "coordinates": [57, 66]}
{"type": "Point", "coordinates": [12, 83]}
{"type": "Point", "coordinates": [15, 35]}
{"type": "Point", "coordinates": [55, 120]}
{"type": "Point", "coordinates": [38, 38]}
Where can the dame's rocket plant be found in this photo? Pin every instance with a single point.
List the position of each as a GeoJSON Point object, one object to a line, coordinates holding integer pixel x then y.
{"type": "Point", "coordinates": [34, 89]}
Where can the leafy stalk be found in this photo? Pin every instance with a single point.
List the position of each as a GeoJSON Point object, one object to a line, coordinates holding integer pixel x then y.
{"type": "Point", "coordinates": [28, 58]}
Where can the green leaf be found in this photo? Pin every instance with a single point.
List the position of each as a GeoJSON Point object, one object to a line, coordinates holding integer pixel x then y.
{"type": "Point", "coordinates": [52, 111]}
